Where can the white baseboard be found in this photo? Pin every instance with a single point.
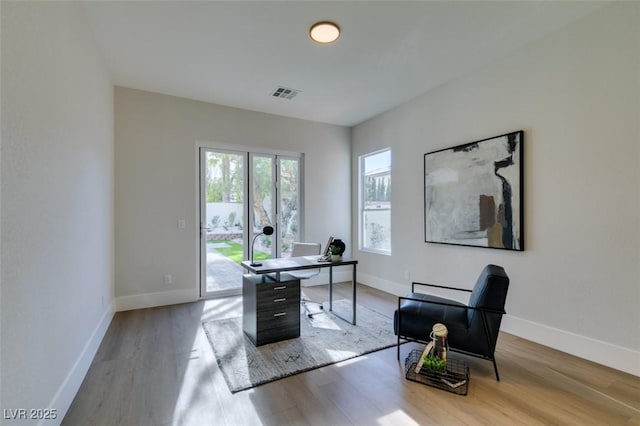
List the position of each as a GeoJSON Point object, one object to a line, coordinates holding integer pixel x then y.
{"type": "Point", "coordinates": [384, 285]}
{"type": "Point", "coordinates": [608, 354]}
{"type": "Point", "coordinates": [614, 356]}
{"type": "Point", "coordinates": [67, 391]}
{"type": "Point", "coordinates": [150, 300]}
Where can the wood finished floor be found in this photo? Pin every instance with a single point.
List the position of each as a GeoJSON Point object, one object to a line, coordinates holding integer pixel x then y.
{"type": "Point", "coordinates": [155, 367]}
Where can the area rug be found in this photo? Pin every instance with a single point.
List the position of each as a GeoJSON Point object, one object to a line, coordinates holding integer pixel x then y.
{"type": "Point", "coordinates": [325, 339]}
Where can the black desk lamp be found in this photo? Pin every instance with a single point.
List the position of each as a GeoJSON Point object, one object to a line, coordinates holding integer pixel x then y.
{"type": "Point", "coordinates": [267, 230]}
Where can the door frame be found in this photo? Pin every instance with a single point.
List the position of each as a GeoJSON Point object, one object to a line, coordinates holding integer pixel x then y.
{"type": "Point", "coordinates": [200, 211]}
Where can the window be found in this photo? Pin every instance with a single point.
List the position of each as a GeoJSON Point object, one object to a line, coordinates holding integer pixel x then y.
{"type": "Point", "coordinates": [375, 202]}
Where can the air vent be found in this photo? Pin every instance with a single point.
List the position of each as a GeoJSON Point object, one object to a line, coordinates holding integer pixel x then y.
{"type": "Point", "coordinates": [285, 93]}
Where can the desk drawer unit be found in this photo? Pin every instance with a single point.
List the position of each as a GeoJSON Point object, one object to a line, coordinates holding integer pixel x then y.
{"type": "Point", "coordinates": [271, 309]}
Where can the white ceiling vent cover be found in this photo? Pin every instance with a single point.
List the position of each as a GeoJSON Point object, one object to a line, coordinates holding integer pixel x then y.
{"type": "Point", "coordinates": [285, 93]}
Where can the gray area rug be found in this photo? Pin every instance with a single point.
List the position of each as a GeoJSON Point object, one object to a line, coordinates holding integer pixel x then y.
{"type": "Point", "coordinates": [325, 339]}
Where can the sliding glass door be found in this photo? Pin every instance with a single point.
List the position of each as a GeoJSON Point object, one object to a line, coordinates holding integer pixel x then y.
{"type": "Point", "coordinates": [223, 236]}
{"type": "Point", "coordinates": [240, 193]}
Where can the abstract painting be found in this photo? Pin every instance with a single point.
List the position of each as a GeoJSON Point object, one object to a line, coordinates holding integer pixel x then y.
{"type": "Point", "coordinates": [473, 193]}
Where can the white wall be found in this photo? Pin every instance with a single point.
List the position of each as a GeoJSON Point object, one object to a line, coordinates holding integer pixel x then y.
{"type": "Point", "coordinates": [156, 185]}
{"type": "Point", "coordinates": [57, 152]}
{"type": "Point", "coordinates": [576, 94]}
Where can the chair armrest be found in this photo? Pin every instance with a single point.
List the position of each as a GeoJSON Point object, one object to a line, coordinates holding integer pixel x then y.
{"type": "Point", "coordinates": [433, 302]}
{"type": "Point", "coordinates": [489, 310]}
{"type": "Point", "coordinates": [413, 284]}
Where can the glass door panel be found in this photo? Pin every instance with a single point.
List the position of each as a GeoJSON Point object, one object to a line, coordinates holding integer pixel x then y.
{"type": "Point", "coordinates": [263, 206]}
{"type": "Point", "coordinates": [288, 203]}
{"type": "Point", "coordinates": [223, 236]}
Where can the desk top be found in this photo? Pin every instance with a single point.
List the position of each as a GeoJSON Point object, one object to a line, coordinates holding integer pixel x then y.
{"type": "Point", "coordinates": [284, 264]}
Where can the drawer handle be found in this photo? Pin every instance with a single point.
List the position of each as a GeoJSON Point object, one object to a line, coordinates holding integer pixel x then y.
{"type": "Point", "coordinates": [280, 314]}
{"type": "Point", "coordinates": [280, 288]}
{"type": "Point", "coordinates": [282, 299]}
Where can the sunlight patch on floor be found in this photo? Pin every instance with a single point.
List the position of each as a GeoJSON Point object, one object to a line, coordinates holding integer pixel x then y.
{"type": "Point", "coordinates": [335, 354]}
{"type": "Point", "coordinates": [325, 322]}
{"type": "Point", "coordinates": [349, 361]}
{"type": "Point", "coordinates": [397, 417]}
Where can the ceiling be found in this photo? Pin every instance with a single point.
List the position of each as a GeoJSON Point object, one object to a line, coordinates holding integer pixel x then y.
{"type": "Point", "coordinates": [236, 53]}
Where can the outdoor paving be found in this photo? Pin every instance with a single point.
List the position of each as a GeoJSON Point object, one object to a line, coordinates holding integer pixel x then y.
{"type": "Point", "coordinates": [222, 273]}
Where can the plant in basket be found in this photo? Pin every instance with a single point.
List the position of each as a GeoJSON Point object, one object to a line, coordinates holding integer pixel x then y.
{"type": "Point", "coordinates": [434, 356]}
{"type": "Point", "coordinates": [433, 363]}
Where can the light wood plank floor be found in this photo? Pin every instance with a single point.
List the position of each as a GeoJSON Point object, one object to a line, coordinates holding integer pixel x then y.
{"type": "Point", "coordinates": [155, 367]}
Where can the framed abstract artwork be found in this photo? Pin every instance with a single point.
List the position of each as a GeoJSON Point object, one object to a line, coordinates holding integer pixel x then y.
{"type": "Point", "coordinates": [473, 194]}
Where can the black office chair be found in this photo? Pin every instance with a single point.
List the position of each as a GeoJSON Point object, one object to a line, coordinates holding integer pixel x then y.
{"type": "Point", "coordinates": [473, 328]}
{"type": "Point", "coordinates": [306, 249]}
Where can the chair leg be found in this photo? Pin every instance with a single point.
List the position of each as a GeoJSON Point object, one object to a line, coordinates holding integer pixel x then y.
{"type": "Point", "coordinates": [399, 317]}
{"type": "Point", "coordinates": [495, 368]}
{"type": "Point", "coordinates": [311, 301]}
{"type": "Point", "coordinates": [306, 308]}
{"type": "Point", "coordinates": [491, 348]}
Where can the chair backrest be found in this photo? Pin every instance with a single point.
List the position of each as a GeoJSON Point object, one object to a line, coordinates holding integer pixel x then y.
{"type": "Point", "coordinates": [305, 249]}
{"type": "Point", "coordinates": [489, 292]}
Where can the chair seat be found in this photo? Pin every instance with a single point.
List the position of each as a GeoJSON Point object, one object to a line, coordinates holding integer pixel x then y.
{"type": "Point", "coordinates": [418, 318]}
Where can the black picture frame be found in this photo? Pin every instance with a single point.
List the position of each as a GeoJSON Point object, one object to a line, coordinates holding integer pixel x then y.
{"type": "Point", "coordinates": [474, 193]}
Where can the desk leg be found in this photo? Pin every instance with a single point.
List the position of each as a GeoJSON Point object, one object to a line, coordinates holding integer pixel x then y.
{"type": "Point", "coordinates": [353, 295]}
{"type": "Point", "coordinates": [353, 284]}
{"type": "Point", "coordinates": [330, 288]}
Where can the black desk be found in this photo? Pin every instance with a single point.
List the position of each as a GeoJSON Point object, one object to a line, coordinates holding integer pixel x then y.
{"type": "Point", "coordinates": [276, 266]}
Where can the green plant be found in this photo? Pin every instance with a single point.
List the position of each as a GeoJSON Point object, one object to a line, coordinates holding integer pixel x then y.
{"type": "Point", "coordinates": [434, 363]}
{"type": "Point", "coordinates": [335, 250]}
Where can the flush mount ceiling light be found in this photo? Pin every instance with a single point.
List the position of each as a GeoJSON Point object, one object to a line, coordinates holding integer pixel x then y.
{"type": "Point", "coordinates": [324, 32]}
